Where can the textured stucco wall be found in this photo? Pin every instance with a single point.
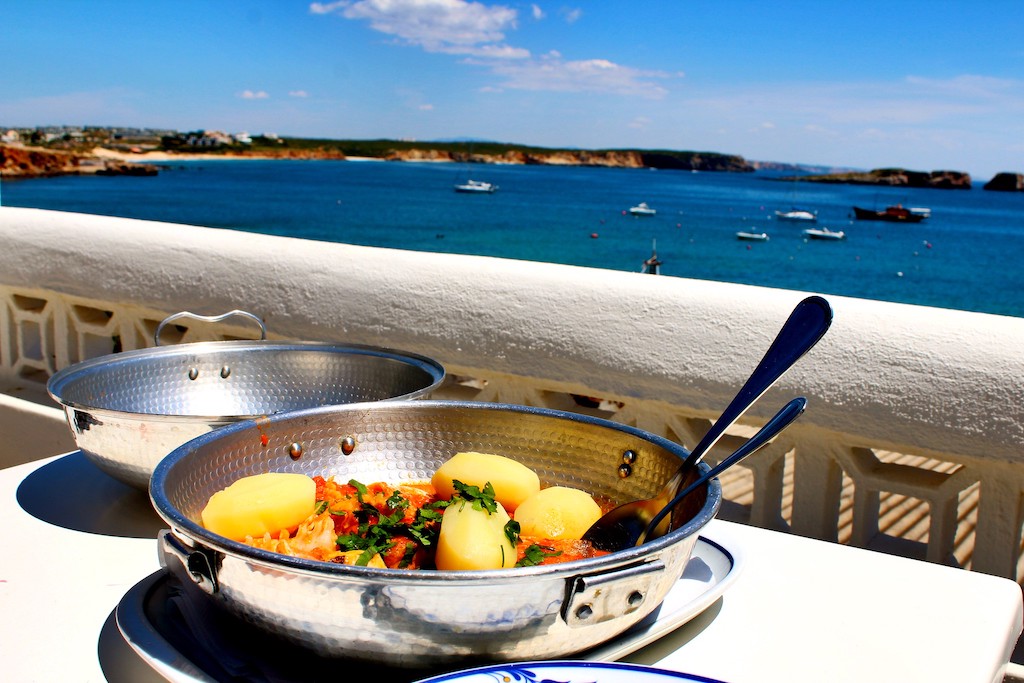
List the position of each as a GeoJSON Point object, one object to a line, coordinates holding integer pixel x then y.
{"type": "Point", "coordinates": [942, 380]}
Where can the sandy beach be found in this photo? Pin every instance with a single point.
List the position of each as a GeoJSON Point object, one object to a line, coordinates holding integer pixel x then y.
{"type": "Point", "coordinates": [143, 157]}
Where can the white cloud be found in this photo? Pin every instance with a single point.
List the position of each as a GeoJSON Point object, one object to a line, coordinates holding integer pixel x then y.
{"type": "Point", "coordinates": [448, 26]}
{"type": "Point", "coordinates": [327, 7]}
{"type": "Point", "coordinates": [298, 93]}
{"type": "Point", "coordinates": [254, 95]}
{"type": "Point", "coordinates": [477, 32]}
{"type": "Point", "coordinates": [572, 15]}
{"type": "Point", "coordinates": [640, 123]}
{"type": "Point", "coordinates": [426, 107]}
{"type": "Point", "coordinates": [552, 73]}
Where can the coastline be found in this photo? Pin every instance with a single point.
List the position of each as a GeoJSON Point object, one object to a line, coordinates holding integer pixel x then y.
{"type": "Point", "coordinates": [154, 156]}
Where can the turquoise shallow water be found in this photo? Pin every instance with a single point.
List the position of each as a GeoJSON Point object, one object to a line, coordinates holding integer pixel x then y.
{"type": "Point", "coordinates": [967, 256]}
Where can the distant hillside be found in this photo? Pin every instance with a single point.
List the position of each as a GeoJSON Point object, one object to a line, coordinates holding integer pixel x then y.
{"type": "Point", "coordinates": [482, 152]}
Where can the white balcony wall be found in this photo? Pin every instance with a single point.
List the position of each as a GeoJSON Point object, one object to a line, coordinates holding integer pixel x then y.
{"type": "Point", "coordinates": [905, 403]}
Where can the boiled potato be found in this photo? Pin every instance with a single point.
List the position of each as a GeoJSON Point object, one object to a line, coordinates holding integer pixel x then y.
{"type": "Point", "coordinates": [474, 539]}
{"type": "Point", "coordinates": [262, 503]}
{"type": "Point", "coordinates": [513, 482]}
{"type": "Point", "coordinates": [558, 513]}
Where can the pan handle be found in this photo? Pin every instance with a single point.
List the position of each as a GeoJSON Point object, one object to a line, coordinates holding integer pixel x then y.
{"type": "Point", "coordinates": [197, 564]}
{"type": "Point", "coordinates": [595, 598]}
{"type": "Point", "coordinates": [210, 319]}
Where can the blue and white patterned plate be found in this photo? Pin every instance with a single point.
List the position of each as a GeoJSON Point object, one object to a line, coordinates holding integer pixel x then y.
{"type": "Point", "coordinates": [567, 672]}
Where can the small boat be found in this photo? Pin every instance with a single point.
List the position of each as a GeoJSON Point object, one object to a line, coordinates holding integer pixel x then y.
{"type": "Point", "coordinates": [652, 266]}
{"type": "Point", "coordinates": [476, 186]}
{"type": "Point", "coordinates": [893, 214]}
{"type": "Point", "coordinates": [752, 236]}
{"type": "Point", "coordinates": [824, 234]}
{"type": "Point", "coordinates": [922, 211]}
{"type": "Point", "coordinates": [642, 209]}
{"type": "Point", "coordinates": [797, 215]}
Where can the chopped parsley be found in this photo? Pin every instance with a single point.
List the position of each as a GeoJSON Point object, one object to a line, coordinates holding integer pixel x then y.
{"type": "Point", "coordinates": [479, 499]}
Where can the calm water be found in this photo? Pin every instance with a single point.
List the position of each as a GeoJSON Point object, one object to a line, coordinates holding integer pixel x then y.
{"type": "Point", "coordinates": [968, 255]}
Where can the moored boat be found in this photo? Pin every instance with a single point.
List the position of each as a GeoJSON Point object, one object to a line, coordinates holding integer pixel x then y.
{"type": "Point", "coordinates": [476, 186]}
{"type": "Point", "coordinates": [797, 215]}
{"type": "Point", "coordinates": [752, 236]}
{"type": "Point", "coordinates": [893, 214]}
{"type": "Point", "coordinates": [824, 234]}
{"type": "Point", "coordinates": [642, 209]}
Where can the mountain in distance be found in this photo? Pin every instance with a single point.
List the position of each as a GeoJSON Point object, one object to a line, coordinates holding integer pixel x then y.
{"type": "Point", "coordinates": [800, 169]}
{"type": "Point", "coordinates": [468, 141]}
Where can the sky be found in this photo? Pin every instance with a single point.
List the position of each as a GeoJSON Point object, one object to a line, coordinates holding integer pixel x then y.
{"type": "Point", "coordinates": [924, 85]}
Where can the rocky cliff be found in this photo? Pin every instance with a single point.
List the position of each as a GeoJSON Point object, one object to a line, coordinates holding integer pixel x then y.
{"type": "Point", "coordinates": [33, 162]}
{"type": "Point", "coordinates": [898, 177]}
{"type": "Point", "coordinates": [1006, 182]}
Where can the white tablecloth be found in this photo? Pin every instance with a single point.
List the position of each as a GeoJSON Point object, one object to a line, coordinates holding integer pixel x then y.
{"type": "Point", "coordinates": [800, 610]}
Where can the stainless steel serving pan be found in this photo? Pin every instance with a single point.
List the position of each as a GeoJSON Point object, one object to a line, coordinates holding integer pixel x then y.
{"type": "Point", "coordinates": [423, 618]}
{"type": "Point", "coordinates": [128, 410]}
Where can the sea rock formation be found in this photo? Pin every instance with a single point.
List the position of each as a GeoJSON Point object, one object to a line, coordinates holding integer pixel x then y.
{"type": "Point", "coordinates": [1006, 182]}
{"type": "Point", "coordinates": [697, 161]}
{"type": "Point", "coordinates": [898, 177]}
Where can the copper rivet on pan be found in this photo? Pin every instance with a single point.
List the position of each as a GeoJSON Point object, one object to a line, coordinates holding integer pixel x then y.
{"type": "Point", "coordinates": [348, 444]}
{"type": "Point", "coordinates": [224, 372]}
{"type": "Point", "coordinates": [193, 373]}
{"type": "Point", "coordinates": [629, 457]}
{"type": "Point", "coordinates": [624, 471]}
{"type": "Point", "coordinates": [295, 450]}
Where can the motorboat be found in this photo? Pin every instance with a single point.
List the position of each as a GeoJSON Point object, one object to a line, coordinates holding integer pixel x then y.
{"type": "Point", "coordinates": [922, 211]}
{"type": "Point", "coordinates": [752, 236]}
{"type": "Point", "coordinates": [476, 186]}
{"type": "Point", "coordinates": [797, 215]}
{"type": "Point", "coordinates": [893, 214]}
{"type": "Point", "coordinates": [824, 234]}
{"type": "Point", "coordinates": [642, 209]}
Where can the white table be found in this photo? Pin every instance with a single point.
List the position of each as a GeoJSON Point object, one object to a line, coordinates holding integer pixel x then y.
{"type": "Point", "coordinates": [800, 610]}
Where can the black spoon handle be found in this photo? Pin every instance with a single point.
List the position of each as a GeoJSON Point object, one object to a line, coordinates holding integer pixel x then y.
{"type": "Point", "coordinates": [806, 325]}
{"type": "Point", "coordinates": [769, 431]}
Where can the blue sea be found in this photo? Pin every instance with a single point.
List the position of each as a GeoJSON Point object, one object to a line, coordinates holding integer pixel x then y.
{"type": "Point", "coordinates": [969, 255]}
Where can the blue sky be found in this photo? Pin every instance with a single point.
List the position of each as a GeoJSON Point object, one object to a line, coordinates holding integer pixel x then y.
{"type": "Point", "coordinates": [925, 85]}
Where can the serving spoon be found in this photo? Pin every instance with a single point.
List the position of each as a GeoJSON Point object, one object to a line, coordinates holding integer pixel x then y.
{"type": "Point", "coordinates": [634, 523]}
{"type": "Point", "coordinates": [806, 325]}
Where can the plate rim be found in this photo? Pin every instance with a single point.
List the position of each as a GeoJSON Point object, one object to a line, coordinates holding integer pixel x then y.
{"type": "Point", "coordinates": [567, 664]}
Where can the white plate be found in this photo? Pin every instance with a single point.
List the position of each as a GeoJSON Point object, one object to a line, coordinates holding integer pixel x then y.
{"type": "Point", "coordinates": [567, 672]}
{"type": "Point", "coordinates": [176, 631]}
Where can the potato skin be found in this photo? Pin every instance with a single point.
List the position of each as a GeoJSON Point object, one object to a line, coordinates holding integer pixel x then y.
{"type": "Point", "coordinates": [474, 539]}
{"type": "Point", "coordinates": [558, 512]}
{"type": "Point", "coordinates": [512, 481]}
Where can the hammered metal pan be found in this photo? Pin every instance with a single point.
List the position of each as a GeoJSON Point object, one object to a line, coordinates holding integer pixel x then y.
{"type": "Point", "coordinates": [417, 619]}
{"type": "Point", "coordinates": [128, 410]}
